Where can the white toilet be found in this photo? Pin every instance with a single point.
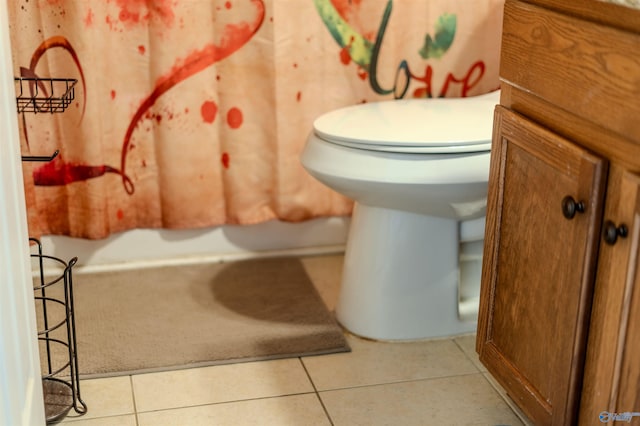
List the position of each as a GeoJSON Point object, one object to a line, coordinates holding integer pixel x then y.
{"type": "Point", "coordinates": [418, 171]}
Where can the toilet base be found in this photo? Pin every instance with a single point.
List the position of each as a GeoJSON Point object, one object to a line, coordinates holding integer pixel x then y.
{"type": "Point", "coordinates": [400, 276]}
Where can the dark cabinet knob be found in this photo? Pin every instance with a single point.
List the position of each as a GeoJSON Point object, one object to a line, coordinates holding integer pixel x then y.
{"type": "Point", "coordinates": [570, 207]}
{"type": "Point", "coordinates": [611, 232]}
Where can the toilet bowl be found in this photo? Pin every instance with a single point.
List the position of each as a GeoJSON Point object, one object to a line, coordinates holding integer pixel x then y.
{"type": "Point", "coordinates": [418, 172]}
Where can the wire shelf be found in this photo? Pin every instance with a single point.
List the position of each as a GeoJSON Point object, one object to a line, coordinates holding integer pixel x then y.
{"type": "Point", "coordinates": [36, 94]}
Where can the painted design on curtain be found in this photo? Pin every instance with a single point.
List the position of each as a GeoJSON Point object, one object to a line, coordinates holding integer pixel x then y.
{"type": "Point", "coordinates": [192, 114]}
{"type": "Point", "coordinates": [234, 36]}
{"type": "Point", "coordinates": [365, 53]}
{"type": "Point", "coordinates": [58, 172]}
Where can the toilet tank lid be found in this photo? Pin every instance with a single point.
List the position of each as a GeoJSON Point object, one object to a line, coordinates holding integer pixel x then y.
{"type": "Point", "coordinates": [412, 123]}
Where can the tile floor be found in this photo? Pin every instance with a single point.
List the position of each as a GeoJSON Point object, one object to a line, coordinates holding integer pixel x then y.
{"type": "Point", "coordinates": [435, 382]}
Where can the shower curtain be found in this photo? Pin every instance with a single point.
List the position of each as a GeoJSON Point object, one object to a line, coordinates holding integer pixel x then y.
{"type": "Point", "coordinates": [190, 114]}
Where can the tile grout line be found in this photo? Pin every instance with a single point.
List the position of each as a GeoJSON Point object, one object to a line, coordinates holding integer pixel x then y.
{"type": "Point", "coordinates": [399, 382]}
{"type": "Point", "coordinates": [326, 412]}
{"type": "Point", "coordinates": [466, 355]}
{"type": "Point", "coordinates": [183, 407]}
{"type": "Point", "coordinates": [133, 398]}
{"type": "Point", "coordinates": [484, 374]}
{"type": "Point", "coordinates": [71, 420]}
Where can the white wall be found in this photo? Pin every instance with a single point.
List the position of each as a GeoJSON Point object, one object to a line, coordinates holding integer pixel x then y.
{"type": "Point", "coordinates": [21, 401]}
{"type": "Point", "coordinates": [147, 247]}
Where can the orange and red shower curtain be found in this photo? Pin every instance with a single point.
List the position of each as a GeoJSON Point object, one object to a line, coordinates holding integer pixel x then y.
{"type": "Point", "coordinates": [193, 113]}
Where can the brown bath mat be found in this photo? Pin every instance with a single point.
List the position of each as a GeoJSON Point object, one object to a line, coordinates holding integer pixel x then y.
{"type": "Point", "coordinates": [173, 317]}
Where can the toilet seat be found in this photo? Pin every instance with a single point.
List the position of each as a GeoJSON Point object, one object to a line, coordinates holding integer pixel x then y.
{"type": "Point", "coordinates": [390, 126]}
{"type": "Point", "coordinates": [401, 149]}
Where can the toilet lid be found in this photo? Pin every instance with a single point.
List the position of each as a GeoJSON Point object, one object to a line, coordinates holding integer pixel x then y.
{"type": "Point", "coordinates": [442, 125]}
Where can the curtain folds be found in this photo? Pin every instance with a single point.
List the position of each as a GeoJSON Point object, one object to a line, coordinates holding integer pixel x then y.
{"type": "Point", "coordinates": [192, 114]}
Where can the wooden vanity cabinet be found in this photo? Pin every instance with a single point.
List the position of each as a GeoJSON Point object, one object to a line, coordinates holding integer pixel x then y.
{"type": "Point", "coordinates": [542, 239]}
{"type": "Point", "coordinates": [559, 321]}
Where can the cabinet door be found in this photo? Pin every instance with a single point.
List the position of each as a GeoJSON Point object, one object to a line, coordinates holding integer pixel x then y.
{"type": "Point", "coordinates": [612, 370]}
{"type": "Point", "coordinates": [543, 223]}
